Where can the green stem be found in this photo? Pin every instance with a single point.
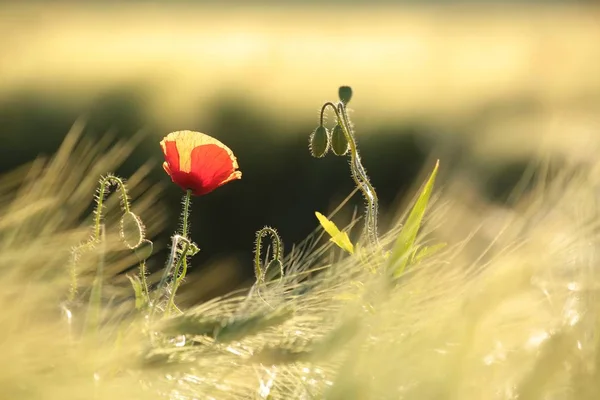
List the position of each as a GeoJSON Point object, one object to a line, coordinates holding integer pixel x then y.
{"type": "Point", "coordinates": [367, 189]}
{"type": "Point", "coordinates": [94, 304]}
{"type": "Point", "coordinates": [182, 260]}
{"type": "Point", "coordinates": [73, 273]}
{"type": "Point", "coordinates": [328, 104]}
{"type": "Point", "coordinates": [358, 172]}
{"type": "Point", "coordinates": [176, 282]}
{"type": "Point", "coordinates": [144, 280]}
{"type": "Point", "coordinates": [187, 200]}
{"type": "Point", "coordinates": [105, 182]}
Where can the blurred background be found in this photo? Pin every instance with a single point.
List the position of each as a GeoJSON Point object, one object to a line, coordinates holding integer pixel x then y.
{"type": "Point", "coordinates": [487, 87]}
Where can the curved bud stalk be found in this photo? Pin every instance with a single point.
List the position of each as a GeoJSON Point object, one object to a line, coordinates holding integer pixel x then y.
{"type": "Point", "coordinates": [132, 229]}
{"type": "Point", "coordinates": [275, 262]}
{"type": "Point", "coordinates": [343, 142]}
{"type": "Point", "coordinates": [105, 183]}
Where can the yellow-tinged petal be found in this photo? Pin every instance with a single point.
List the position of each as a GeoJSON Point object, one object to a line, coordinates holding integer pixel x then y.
{"type": "Point", "coordinates": [198, 162]}
{"type": "Point", "coordinates": [187, 140]}
{"type": "Point", "coordinates": [338, 237]}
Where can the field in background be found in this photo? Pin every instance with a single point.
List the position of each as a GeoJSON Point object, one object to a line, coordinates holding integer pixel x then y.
{"type": "Point", "coordinates": [446, 64]}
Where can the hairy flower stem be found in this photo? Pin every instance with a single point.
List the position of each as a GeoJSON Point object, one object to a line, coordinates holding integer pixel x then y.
{"type": "Point", "coordinates": [177, 281]}
{"type": "Point", "coordinates": [358, 172]}
{"type": "Point", "coordinates": [182, 260]}
{"type": "Point", "coordinates": [173, 263]}
{"type": "Point", "coordinates": [187, 201]}
{"type": "Point", "coordinates": [185, 214]}
{"type": "Point", "coordinates": [94, 309]}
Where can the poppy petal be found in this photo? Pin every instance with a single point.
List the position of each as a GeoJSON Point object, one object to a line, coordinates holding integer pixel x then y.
{"type": "Point", "coordinates": [166, 168]}
{"type": "Point", "coordinates": [198, 161]}
{"type": "Point", "coordinates": [171, 153]}
{"type": "Point", "coordinates": [234, 175]}
{"type": "Point", "coordinates": [212, 165]}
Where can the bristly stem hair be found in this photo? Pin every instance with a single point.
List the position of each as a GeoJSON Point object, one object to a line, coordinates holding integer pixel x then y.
{"type": "Point", "coordinates": [185, 214]}
{"type": "Point", "coordinates": [178, 277]}
{"type": "Point", "coordinates": [181, 265]}
{"type": "Point", "coordinates": [357, 171]}
{"type": "Point", "coordinates": [105, 183]}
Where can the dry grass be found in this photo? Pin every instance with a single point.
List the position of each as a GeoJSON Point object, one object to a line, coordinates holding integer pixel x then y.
{"type": "Point", "coordinates": [507, 310]}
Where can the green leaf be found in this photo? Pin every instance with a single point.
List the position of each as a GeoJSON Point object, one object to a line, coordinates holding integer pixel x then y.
{"type": "Point", "coordinates": [140, 300]}
{"type": "Point", "coordinates": [406, 239]}
{"type": "Point", "coordinates": [338, 237]}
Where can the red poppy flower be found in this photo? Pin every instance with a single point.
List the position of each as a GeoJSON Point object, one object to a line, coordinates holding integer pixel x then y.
{"type": "Point", "coordinates": [198, 161]}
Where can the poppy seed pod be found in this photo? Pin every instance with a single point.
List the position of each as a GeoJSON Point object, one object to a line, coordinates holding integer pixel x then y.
{"type": "Point", "coordinates": [345, 94]}
{"type": "Point", "coordinates": [319, 142]}
{"type": "Point", "coordinates": [198, 162]}
{"type": "Point", "coordinates": [339, 142]}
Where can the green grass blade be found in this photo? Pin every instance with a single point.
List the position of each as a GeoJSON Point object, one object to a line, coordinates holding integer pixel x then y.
{"type": "Point", "coordinates": [140, 297]}
{"type": "Point", "coordinates": [406, 239]}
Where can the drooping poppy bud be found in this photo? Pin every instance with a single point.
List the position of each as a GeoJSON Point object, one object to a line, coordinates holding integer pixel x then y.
{"type": "Point", "coordinates": [339, 142]}
{"type": "Point", "coordinates": [198, 162]}
{"type": "Point", "coordinates": [144, 250]}
{"type": "Point", "coordinates": [132, 230]}
{"type": "Point", "coordinates": [319, 142]}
